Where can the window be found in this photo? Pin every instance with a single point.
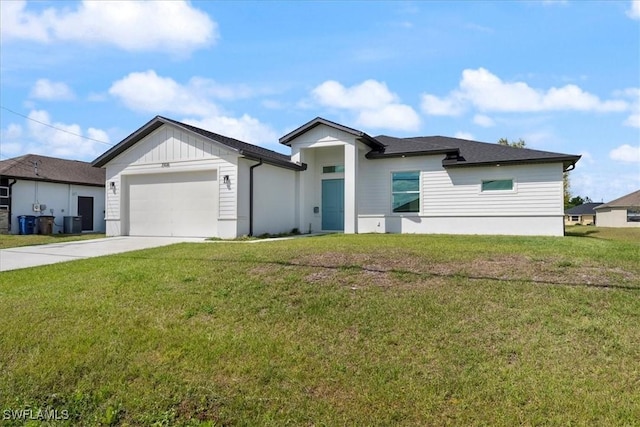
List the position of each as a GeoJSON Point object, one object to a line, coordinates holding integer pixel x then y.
{"type": "Point", "coordinates": [333, 169]}
{"type": "Point", "coordinates": [405, 192]}
{"type": "Point", "coordinates": [633, 215]}
{"type": "Point", "coordinates": [575, 218]}
{"type": "Point", "coordinates": [497, 185]}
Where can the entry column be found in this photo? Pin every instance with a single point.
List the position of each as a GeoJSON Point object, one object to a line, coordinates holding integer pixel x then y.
{"type": "Point", "coordinates": [350, 188]}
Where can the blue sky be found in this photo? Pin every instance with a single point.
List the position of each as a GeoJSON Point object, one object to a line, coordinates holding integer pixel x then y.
{"type": "Point", "coordinates": [78, 77]}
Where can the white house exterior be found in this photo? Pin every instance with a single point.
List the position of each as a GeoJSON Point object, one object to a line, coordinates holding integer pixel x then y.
{"type": "Point", "coordinates": [46, 186]}
{"type": "Point", "coordinates": [169, 178]}
{"type": "Point", "coordinates": [621, 212]}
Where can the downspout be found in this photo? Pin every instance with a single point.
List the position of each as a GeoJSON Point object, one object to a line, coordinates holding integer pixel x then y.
{"type": "Point", "coordinates": [251, 168]}
{"type": "Point", "coordinates": [11, 201]}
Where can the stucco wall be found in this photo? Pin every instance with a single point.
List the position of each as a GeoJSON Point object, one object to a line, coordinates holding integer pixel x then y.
{"type": "Point", "coordinates": [61, 200]}
{"type": "Point", "coordinates": [614, 217]}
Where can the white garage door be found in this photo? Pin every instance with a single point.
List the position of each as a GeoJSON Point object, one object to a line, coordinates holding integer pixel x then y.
{"type": "Point", "coordinates": [181, 204]}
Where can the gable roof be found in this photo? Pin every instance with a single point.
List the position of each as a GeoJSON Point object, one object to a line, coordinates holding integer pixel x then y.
{"type": "Point", "coordinates": [34, 167]}
{"type": "Point", "coordinates": [244, 149]}
{"type": "Point", "coordinates": [361, 136]}
{"type": "Point", "coordinates": [462, 152]}
{"type": "Point", "coordinates": [631, 200]}
{"type": "Point", "coordinates": [583, 209]}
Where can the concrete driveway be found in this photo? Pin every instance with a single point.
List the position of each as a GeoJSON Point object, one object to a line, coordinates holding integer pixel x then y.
{"type": "Point", "coordinates": [31, 256]}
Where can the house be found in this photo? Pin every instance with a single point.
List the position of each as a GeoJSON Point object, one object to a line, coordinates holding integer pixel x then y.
{"type": "Point", "coordinates": [583, 214]}
{"type": "Point", "coordinates": [171, 178]}
{"type": "Point", "coordinates": [621, 212]}
{"type": "Point", "coordinates": [41, 185]}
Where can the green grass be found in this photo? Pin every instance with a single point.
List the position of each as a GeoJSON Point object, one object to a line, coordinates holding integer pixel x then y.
{"type": "Point", "coordinates": [331, 330]}
{"type": "Point", "coordinates": [15, 240]}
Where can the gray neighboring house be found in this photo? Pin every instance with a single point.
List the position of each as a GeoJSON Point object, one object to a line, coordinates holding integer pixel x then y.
{"type": "Point", "coordinates": [40, 185]}
{"type": "Point", "coordinates": [583, 214]}
{"type": "Point", "coordinates": [621, 212]}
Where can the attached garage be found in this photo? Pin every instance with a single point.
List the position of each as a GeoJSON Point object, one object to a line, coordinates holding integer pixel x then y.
{"type": "Point", "coordinates": [183, 204]}
{"type": "Point", "coordinates": [173, 179]}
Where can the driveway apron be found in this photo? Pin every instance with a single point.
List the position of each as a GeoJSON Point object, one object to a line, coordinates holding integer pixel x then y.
{"type": "Point", "coordinates": [32, 256]}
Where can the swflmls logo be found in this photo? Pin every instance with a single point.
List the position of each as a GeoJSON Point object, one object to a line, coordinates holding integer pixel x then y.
{"type": "Point", "coordinates": [35, 414]}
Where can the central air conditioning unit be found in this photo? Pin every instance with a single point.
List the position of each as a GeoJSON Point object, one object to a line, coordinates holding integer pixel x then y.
{"type": "Point", "coordinates": [36, 207]}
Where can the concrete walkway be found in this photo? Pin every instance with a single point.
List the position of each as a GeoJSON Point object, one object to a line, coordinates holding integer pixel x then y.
{"type": "Point", "coordinates": [32, 256]}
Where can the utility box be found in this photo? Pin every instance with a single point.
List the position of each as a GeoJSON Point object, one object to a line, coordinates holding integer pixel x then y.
{"type": "Point", "coordinates": [72, 225]}
{"type": "Point", "coordinates": [45, 224]}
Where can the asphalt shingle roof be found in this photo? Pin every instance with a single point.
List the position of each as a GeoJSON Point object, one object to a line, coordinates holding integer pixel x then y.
{"type": "Point", "coordinates": [52, 169]}
{"type": "Point", "coordinates": [631, 200]}
{"type": "Point", "coordinates": [583, 209]}
{"type": "Point", "coordinates": [462, 152]}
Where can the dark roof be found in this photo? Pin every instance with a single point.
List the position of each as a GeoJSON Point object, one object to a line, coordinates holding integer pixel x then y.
{"type": "Point", "coordinates": [631, 200]}
{"type": "Point", "coordinates": [52, 169]}
{"type": "Point", "coordinates": [462, 152]}
{"type": "Point", "coordinates": [371, 142]}
{"type": "Point", "coordinates": [244, 149]}
{"type": "Point", "coordinates": [583, 209]}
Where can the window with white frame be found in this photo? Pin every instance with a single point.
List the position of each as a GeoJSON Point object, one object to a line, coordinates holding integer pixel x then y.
{"type": "Point", "coordinates": [333, 169]}
{"type": "Point", "coordinates": [405, 192]}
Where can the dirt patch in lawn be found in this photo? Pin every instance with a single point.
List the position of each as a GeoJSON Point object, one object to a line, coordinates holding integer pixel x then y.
{"type": "Point", "coordinates": [390, 269]}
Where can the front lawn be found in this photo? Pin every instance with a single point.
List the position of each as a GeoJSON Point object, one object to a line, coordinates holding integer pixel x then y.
{"type": "Point", "coordinates": [331, 330]}
{"type": "Point", "coordinates": [15, 240]}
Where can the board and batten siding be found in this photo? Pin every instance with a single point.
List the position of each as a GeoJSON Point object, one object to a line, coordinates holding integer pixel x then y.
{"type": "Point", "coordinates": [170, 149]}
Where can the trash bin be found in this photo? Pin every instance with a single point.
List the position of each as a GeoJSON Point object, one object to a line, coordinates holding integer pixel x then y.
{"type": "Point", "coordinates": [45, 224]}
{"type": "Point", "coordinates": [26, 224]}
{"type": "Point", "coordinates": [72, 225]}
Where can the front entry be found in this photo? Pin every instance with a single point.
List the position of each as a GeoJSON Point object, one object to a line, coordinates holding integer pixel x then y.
{"type": "Point", "coordinates": [85, 210]}
{"type": "Point", "coordinates": [333, 204]}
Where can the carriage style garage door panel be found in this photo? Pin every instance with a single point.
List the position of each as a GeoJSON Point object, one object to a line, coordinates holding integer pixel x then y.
{"type": "Point", "coordinates": [181, 204]}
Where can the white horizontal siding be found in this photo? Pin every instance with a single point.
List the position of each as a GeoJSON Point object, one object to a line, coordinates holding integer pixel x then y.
{"type": "Point", "coordinates": [457, 192]}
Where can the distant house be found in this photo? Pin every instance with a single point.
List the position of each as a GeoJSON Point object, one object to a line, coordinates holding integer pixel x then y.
{"type": "Point", "coordinates": [40, 185]}
{"type": "Point", "coordinates": [172, 179]}
{"type": "Point", "coordinates": [622, 212]}
{"type": "Point", "coordinates": [583, 214]}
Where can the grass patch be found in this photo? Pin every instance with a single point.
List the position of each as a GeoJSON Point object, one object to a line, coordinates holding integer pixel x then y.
{"type": "Point", "coordinates": [16, 240]}
{"type": "Point", "coordinates": [331, 330]}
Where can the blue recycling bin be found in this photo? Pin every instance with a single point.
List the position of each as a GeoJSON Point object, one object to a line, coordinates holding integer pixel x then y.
{"type": "Point", "coordinates": [27, 224]}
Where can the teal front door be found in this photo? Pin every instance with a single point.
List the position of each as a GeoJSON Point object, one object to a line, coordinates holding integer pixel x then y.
{"type": "Point", "coordinates": [333, 204]}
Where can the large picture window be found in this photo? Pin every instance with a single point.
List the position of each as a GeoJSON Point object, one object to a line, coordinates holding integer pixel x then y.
{"type": "Point", "coordinates": [405, 192]}
{"type": "Point", "coordinates": [633, 215]}
{"type": "Point", "coordinates": [497, 185]}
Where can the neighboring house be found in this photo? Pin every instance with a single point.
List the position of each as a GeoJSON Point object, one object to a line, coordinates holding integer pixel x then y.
{"type": "Point", "coordinates": [622, 212]}
{"type": "Point", "coordinates": [583, 214]}
{"type": "Point", "coordinates": [170, 178]}
{"type": "Point", "coordinates": [40, 185]}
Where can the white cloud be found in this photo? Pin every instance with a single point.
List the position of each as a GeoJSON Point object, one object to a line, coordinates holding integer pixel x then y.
{"type": "Point", "coordinates": [626, 153]}
{"type": "Point", "coordinates": [488, 93]}
{"type": "Point", "coordinates": [634, 10]}
{"type": "Point", "coordinates": [41, 135]}
{"type": "Point", "coordinates": [173, 26]}
{"type": "Point", "coordinates": [51, 91]}
{"type": "Point", "coordinates": [633, 120]}
{"type": "Point", "coordinates": [373, 103]}
{"type": "Point", "coordinates": [484, 121]}
{"type": "Point", "coordinates": [245, 128]}
{"type": "Point", "coordinates": [464, 135]}
{"type": "Point", "coordinates": [634, 95]}
{"type": "Point", "coordinates": [146, 91]}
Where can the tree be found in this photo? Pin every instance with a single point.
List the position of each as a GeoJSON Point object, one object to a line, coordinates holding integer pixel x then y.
{"type": "Point", "coordinates": [518, 144]}
{"type": "Point", "coordinates": [578, 200]}
{"type": "Point", "coordinates": [566, 186]}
